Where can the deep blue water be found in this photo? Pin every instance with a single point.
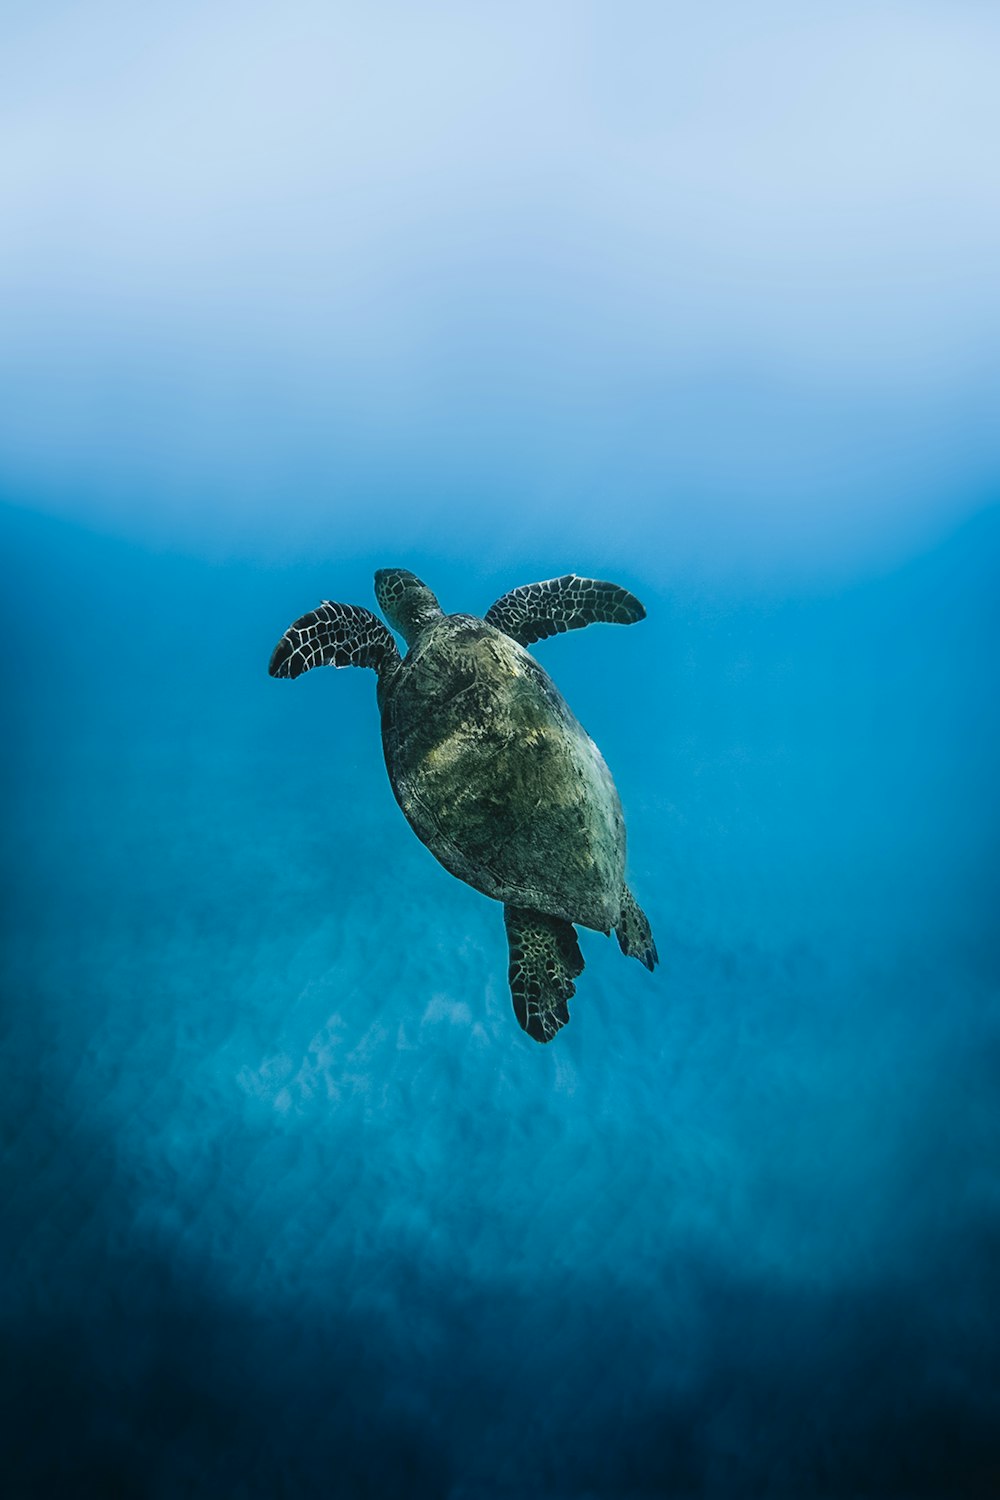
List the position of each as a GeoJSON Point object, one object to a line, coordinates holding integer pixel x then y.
{"type": "Point", "coordinates": [290, 1204]}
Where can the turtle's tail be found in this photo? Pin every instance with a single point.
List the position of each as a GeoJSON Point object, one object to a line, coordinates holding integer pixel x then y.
{"type": "Point", "coordinates": [635, 936]}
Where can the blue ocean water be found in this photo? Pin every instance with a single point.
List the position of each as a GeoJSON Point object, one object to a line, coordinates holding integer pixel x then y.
{"type": "Point", "coordinates": [703, 300]}
{"type": "Point", "coordinates": [293, 1207]}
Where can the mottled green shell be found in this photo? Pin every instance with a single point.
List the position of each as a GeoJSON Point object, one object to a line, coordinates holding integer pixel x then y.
{"type": "Point", "coordinates": [499, 779]}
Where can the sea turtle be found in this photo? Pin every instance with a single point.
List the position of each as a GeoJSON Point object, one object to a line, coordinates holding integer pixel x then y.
{"type": "Point", "coordinates": [491, 768]}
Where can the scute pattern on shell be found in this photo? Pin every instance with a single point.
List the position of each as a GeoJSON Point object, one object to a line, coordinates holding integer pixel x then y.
{"type": "Point", "coordinates": [334, 635]}
{"type": "Point", "coordinates": [538, 610]}
{"type": "Point", "coordinates": [499, 779]}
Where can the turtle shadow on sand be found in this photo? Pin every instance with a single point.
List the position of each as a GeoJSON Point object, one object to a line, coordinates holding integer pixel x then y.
{"type": "Point", "coordinates": [492, 769]}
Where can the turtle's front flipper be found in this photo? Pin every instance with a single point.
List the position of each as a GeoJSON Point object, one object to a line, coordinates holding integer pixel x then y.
{"type": "Point", "coordinates": [538, 610]}
{"type": "Point", "coordinates": [635, 936]}
{"type": "Point", "coordinates": [545, 958]}
{"type": "Point", "coordinates": [334, 635]}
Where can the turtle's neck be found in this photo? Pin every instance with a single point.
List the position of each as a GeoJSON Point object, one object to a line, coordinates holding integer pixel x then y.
{"type": "Point", "coordinates": [418, 622]}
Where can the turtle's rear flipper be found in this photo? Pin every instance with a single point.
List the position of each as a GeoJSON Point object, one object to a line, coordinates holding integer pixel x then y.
{"type": "Point", "coordinates": [635, 936]}
{"type": "Point", "coordinates": [537, 610]}
{"type": "Point", "coordinates": [545, 958]}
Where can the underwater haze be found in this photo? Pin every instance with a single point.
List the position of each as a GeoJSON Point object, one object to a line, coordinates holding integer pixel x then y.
{"type": "Point", "coordinates": [706, 304]}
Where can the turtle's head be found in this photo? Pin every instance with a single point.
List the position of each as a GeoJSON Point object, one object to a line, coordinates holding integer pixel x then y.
{"type": "Point", "coordinates": [407, 603]}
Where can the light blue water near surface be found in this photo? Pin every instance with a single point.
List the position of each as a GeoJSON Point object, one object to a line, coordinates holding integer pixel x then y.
{"type": "Point", "coordinates": [294, 1207]}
